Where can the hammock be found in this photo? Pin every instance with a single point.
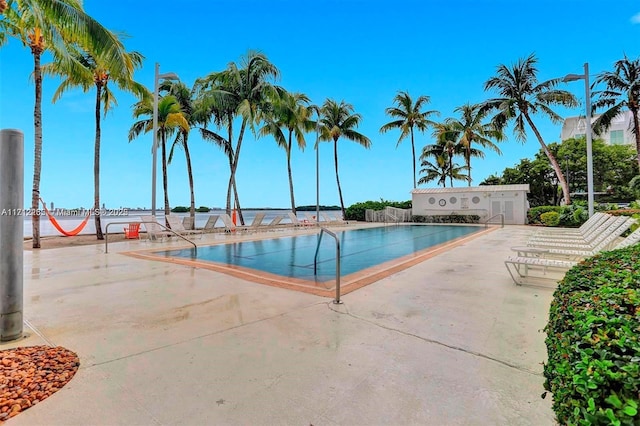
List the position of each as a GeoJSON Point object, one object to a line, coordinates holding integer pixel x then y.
{"type": "Point", "coordinates": [55, 223]}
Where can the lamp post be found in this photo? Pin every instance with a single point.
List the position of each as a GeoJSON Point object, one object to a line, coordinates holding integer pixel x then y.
{"type": "Point", "coordinates": [587, 89]}
{"type": "Point", "coordinates": [154, 149]}
{"type": "Point", "coordinates": [318, 170]}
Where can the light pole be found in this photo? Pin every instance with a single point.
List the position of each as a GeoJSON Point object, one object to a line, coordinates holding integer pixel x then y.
{"type": "Point", "coordinates": [154, 149]}
{"type": "Point", "coordinates": [587, 89]}
{"type": "Point", "coordinates": [318, 170]}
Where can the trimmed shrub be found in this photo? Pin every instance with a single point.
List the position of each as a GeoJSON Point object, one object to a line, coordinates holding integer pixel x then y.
{"type": "Point", "coordinates": [550, 218]}
{"type": "Point", "coordinates": [533, 215]}
{"type": "Point", "coordinates": [449, 218]}
{"type": "Point", "coordinates": [593, 367]}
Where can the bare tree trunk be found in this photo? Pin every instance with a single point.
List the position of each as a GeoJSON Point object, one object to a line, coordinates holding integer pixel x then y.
{"type": "Point", "coordinates": [37, 162]}
{"type": "Point", "coordinates": [413, 152]}
{"type": "Point", "coordinates": [293, 201]}
{"type": "Point", "coordinates": [235, 167]}
{"type": "Point", "coordinates": [96, 168]}
{"type": "Point", "coordinates": [636, 126]}
{"type": "Point", "coordinates": [165, 183]}
{"type": "Point", "coordinates": [192, 207]}
{"type": "Point", "coordinates": [552, 159]}
{"type": "Point", "coordinates": [230, 155]}
{"type": "Point", "coordinates": [335, 157]}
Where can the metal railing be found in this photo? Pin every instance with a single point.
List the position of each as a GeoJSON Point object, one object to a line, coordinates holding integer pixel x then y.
{"type": "Point", "coordinates": [486, 222]}
{"type": "Point", "coordinates": [315, 260]}
{"type": "Point", "coordinates": [106, 231]}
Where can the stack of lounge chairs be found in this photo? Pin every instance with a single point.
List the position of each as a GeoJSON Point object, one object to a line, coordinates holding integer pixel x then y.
{"type": "Point", "coordinates": [548, 255]}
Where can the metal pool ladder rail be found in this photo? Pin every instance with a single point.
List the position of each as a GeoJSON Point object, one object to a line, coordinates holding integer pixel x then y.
{"type": "Point", "coordinates": [315, 261]}
{"type": "Point", "coordinates": [486, 222]}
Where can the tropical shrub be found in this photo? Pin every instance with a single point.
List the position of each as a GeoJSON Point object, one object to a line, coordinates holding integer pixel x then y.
{"type": "Point", "coordinates": [533, 214]}
{"type": "Point", "coordinates": [593, 367]}
{"type": "Point", "coordinates": [357, 211]}
{"type": "Point", "coordinates": [447, 218]}
{"type": "Point", "coordinates": [550, 218]}
{"type": "Point", "coordinates": [180, 209]}
{"type": "Point", "coordinates": [203, 209]}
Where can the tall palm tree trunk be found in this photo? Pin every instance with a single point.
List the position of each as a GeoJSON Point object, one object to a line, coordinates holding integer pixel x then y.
{"type": "Point", "coordinates": [230, 155]}
{"type": "Point", "coordinates": [165, 183]}
{"type": "Point", "coordinates": [467, 159]}
{"type": "Point", "coordinates": [554, 163]}
{"type": "Point", "coordinates": [96, 168]}
{"type": "Point", "coordinates": [192, 207]}
{"type": "Point", "coordinates": [636, 124]}
{"type": "Point", "coordinates": [293, 201]}
{"type": "Point", "coordinates": [37, 161]}
{"type": "Point", "coordinates": [413, 151]}
{"type": "Point", "coordinates": [232, 179]}
{"type": "Point", "coordinates": [335, 157]}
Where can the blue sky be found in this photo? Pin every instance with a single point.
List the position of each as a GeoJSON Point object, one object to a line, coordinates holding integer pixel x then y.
{"type": "Point", "coordinates": [358, 51]}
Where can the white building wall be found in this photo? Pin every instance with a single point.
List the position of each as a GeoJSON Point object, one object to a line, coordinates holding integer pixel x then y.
{"type": "Point", "coordinates": [618, 134]}
{"type": "Point", "coordinates": [484, 201]}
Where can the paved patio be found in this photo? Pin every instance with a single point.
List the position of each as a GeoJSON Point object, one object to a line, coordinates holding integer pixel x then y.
{"type": "Point", "coordinates": [450, 341]}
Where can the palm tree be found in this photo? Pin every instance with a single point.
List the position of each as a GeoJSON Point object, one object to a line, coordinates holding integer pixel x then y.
{"type": "Point", "coordinates": [170, 118]}
{"type": "Point", "coordinates": [191, 112]}
{"type": "Point", "coordinates": [439, 169]}
{"type": "Point", "coordinates": [243, 92]}
{"type": "Point", "coordinates": [471, 129]}
{"type": "Point", "coordinates": [84, 70]}
{"type": "Point", "coordinates": [291, 114]}
{"type": "Point", "coordinates": [522, 96]}
{"type": "Point", "coordinates": [445, 148]}
{"type": "Point", "coordinates": [336, 120]}
{"type": "Point", "coordinates": [622, 89]}
{"type": "Point", "coordinates": [409, 116]}
{"type": "Point", "coordinates": [53, 25]}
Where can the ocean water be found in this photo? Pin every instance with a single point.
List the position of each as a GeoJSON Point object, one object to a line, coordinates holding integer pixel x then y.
{"type": "Point", "coordinates": [120, 215]}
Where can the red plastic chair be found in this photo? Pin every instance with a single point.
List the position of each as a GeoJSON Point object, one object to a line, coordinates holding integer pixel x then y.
{"type": "Point", "coordinates": [132, 231]}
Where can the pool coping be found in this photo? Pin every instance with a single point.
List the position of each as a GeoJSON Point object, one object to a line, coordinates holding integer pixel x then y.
{"type": "Point", "coordinates": [348, 283]}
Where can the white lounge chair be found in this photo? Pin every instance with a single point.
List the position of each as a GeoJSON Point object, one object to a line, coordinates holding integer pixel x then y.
{"type": "Point", "coordinates": [524, 269]}
{"type": "Point", "coordinates": [189, 223]}
{"type": "Point", "coordinates": [255, 224]}
{"type": "Point", "coordinates": [211, 223]}
{"type": "Point", "coordinates": [594, 220]}
{"type": "Point", "coordinates": [155, 232]}
{"type": "Point", "coordinates": [530, 260]}
{"type": "Point", "coordinates": [296, 222]}
{"type": "Point", "coordinates": [229, 226]}
{"type": "Point", "coordinates": [274, 222]}
{"type": "Point", "coordinates": [176, 226]}
{"type": "Point", "coordinates": [589, 235]}
{"type": "Point", "coordinates": [616, 227]}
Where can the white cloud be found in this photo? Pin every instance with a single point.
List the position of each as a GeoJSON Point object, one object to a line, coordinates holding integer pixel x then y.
{"type": "Point", "coordinates": [635, 19]}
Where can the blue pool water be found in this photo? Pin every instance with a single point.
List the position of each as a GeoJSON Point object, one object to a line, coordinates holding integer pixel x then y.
{"type": "Point", "coordinates": [360, 249]}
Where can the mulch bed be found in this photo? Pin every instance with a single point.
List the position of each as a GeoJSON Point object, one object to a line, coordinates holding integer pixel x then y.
{"type": "Point", "coordinates": [30, 374]}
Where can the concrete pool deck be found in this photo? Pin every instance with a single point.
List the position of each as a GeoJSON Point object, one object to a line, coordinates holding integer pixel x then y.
{"type": "Point", "coordinates": [450, 340]}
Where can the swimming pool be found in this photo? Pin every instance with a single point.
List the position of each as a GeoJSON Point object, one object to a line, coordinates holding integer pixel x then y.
{"type": "Point", "coordinates": [367, 254]}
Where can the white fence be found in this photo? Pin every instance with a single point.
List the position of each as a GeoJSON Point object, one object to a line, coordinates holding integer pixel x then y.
{"type": "Point", "coordinates": [389, 214]}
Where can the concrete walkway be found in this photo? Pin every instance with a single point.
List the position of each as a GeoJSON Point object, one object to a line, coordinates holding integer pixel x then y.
{"type": "Point", "coordinates": [449, 341]}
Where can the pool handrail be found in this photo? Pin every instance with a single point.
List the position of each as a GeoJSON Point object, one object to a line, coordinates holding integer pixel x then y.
{"type": "Point", "coordinates": [486, 222]}
{"type": "Point", "coordinates": [106, 230]}
{"type": "Point", "coordinates": [315, 261]}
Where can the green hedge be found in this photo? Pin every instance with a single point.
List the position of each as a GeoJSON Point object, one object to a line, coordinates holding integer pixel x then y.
{"type": "Point", "coordinates": [593, 367]}
{"type": "Point", "coordinates": [449, 218]}
{"type": "Point", "coordinates": [357, 211]}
